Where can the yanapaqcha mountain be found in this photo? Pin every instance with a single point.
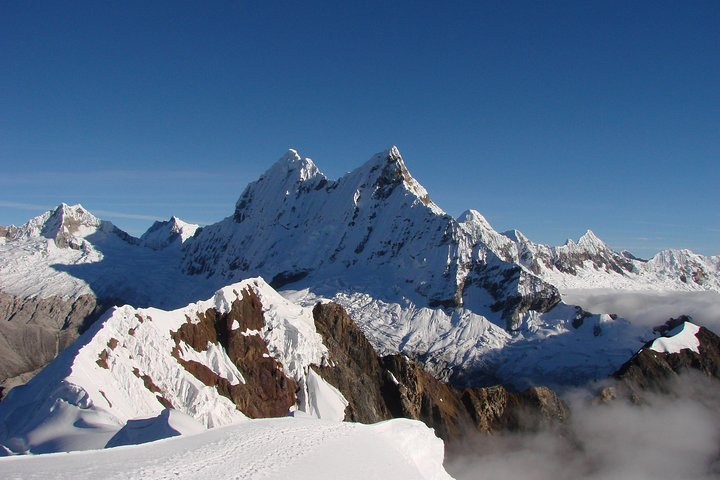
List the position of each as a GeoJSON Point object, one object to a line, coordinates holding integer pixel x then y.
{"type": "Point", "coordinates": [474, 306]}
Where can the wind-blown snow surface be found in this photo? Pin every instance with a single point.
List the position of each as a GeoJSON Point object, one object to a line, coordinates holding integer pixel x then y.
{"type": "Point", "coordinates": [302, 449]}
{"type": "Point", "coordinates": [94, 387]}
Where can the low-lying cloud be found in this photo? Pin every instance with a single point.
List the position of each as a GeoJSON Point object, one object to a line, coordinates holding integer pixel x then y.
{"type": "Point", "coordinates": [671, 437]}
{"type": "Point", "coordinates": [650, 308]}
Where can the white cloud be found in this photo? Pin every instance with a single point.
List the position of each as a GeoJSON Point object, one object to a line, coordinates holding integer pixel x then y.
{"type": "Point", "coordinates": [672, 437]}
{"type": "Point", "coordinates": [650, 308]}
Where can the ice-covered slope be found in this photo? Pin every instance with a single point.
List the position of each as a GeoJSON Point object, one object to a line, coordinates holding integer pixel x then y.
{"type": "Point", "coordinates": [244, 352]}
{"type": "Point", "coordinates": [302, 449]}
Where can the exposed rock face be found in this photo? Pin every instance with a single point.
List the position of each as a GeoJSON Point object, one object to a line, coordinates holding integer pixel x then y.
{"type": "Point", "coordinates": [266, 392]}
{"type": "Point", "coordinates": [8, 232]}
{"type": "Point", "coordinates": [34, 330]}
{"type": "Point", "coordinates": [395, 386]}
{"type": "Point", "coordinates": [652, 370]}
{"type": "Point", "coordinates": [355, 369]}
{"type": "Point", "coordinates": [453, 413]}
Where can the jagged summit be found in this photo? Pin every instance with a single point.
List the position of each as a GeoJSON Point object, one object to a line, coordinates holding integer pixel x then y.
{"type": "Point", "coordinates": [290, 162]}
{"type": "Point", "coordinates": [66, 224]}
{"type": "Point", "coordinates": [62, 220]}
{"type": "Point", "coordinates": [516, 236]}
{"type": "Point", "coordinates": [387, 170]}
{"type": "Point", "coordinates": [588, 242]}
{"type": "Point", "coordinates": [591, 242]}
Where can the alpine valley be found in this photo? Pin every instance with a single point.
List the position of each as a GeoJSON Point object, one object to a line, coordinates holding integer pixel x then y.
{"type": "Point", "coordinates": [356, 299]}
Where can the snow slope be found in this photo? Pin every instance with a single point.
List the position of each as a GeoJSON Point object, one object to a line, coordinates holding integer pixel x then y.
{"type": "Point", "coordinates": [681, 337]}
{"type": "Point", "coordinates": [302, 449]}
{"type": "Point", "coordinates": [563, 347]}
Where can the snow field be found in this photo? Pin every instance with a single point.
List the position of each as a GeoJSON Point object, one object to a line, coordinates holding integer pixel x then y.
{"type": "Point", "coordinates": [298, 448]}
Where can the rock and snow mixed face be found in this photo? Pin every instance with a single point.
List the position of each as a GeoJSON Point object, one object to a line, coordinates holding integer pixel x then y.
{"type": "Point", "coordinates": [211, 361]}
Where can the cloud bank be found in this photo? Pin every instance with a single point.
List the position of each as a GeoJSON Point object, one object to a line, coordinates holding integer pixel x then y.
{"type": "Point", "coordinates": [650, 308]}
{"type": "Point", "coordinates": [671, 437]}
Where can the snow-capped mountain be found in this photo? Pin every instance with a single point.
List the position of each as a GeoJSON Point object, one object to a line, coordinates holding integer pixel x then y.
{"type": "Point", "coordinates": [472, 304]}
{"type": "Point", "coordinates": [375, 230]}
{"type": "Point", "coordinates": [68, 252]}
{"type": "Point", "coordinates": [682, 347]}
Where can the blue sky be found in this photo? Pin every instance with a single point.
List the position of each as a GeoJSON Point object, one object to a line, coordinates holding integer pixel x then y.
{"type": "Point", "coordinates": [549, 117]}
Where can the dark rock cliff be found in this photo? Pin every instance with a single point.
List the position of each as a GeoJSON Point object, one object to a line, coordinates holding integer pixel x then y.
{"type": "Point", "coordinates": [395, 386]}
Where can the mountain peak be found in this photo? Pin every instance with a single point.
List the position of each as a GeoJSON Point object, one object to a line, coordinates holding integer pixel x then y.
{"type": "Point", "coordinates": [289, 158]}
{"type": "Point", "coordinates": [292, 162]}
{"type": "Point", "coordinates": [591, 241]}
{"type": "Point", "coordinates": [387, 170]}
{"type": "Point", "coordinates": [475, 217]}
{"type": "Point", "coordinates": [516, 236]}
{"type": "Point", "coordinates": [588, 242]}
{"type": "Point", "coordinates": [289, 176]}
{"type": "Point", "coordinates": [163, 234]}
{"type": "Point", "coordinates": [69, 219]}
{"type": "Point", "coordinates": [62, 220]}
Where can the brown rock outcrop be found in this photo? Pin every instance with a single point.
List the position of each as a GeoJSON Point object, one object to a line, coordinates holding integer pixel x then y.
{"type": "Point", "coordinates": [356, 369]}
{"type": "Point", "coordinates": [267, 392]}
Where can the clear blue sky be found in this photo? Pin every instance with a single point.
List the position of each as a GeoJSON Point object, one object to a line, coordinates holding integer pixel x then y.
{"type": "Point", "coordinates": [549, 117]}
